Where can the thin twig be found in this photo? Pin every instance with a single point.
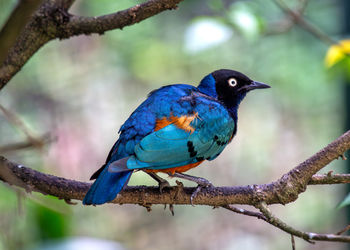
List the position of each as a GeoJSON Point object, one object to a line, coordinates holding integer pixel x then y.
{"type": "Point", "coordinates": [46, 138]}
{"type": "Point", "coordinates": [245, 212]}
{"type": "Point", "coordinates": [308, 236]}
{"type": "Point", "coordinates": [306, 25]}
{"type": "Point", "coordinates": [15, 120]}
{"type": "Point", "coordinates": [347, 228]}
{"type": "Point", "coordinates": [318, 179]}
{"type": "Point", "coordinates": [271, 219]}
{"type": "Point", "coordinates": [293, 241]}
{"type": "Point", "coordinates": [286, 23]}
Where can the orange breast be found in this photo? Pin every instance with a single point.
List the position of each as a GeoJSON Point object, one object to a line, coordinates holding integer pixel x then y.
{"type": "Point", "coordinates": [176, 169]}
{"type": "Point", "coordinates": [182, 122]}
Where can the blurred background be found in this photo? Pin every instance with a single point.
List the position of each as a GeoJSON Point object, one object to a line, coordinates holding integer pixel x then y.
{"type": "Point", "coordinates": [81, 90]}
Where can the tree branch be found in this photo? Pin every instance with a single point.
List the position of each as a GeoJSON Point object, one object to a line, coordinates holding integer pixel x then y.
{"type": "Point", "coordinates": [245, 212]}
{"type": "Point", "coordinates": [15, 24]}
{"type": "Point", "coordinates": [44, 139]}
{"type": "Point", "coordinates": [17, 122]}
{"type": "Point", "coordinates": [282, 191]}
{"type": "Point", "coordinates": [286, 23]}
{"type": "Point", "coordinates": [298, 18]}
{"type": "Point", "coordinates": [52, 21]}
{"type": "Point", "coordinates": [308, 236]}
{"type": "Point", "coordinates": [78, 25]}
{"type": "Point", "coordinates": [329, 178]}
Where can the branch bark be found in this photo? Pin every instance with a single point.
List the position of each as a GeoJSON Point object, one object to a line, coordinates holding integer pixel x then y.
{"type": "Point", "coordinates": [308, 236]}
{"type": "Point", "coordinates": [78, 25]}
{"type": "Point", "coordinates": [44, 139]}
{"type": "Point", "coordinates": [30, 31]}
{"type": "Point", "coordinates": [15, 24]}
{"type": "Point", "coordinates": [329, 178]}
{"type": "Point", "coordinates": [298, 18]}
{"type": "Point", "coordinates": [282, 191]}
{"type": "Point", "coordinates": [51, 20]}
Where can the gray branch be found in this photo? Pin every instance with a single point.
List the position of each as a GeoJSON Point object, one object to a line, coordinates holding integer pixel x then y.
{"type": "Point", "coordinates": [51, 21]}
{"type": "Point", "coordinates": [284, 190]}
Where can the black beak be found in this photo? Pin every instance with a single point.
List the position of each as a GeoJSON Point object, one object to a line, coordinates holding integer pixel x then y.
{"type": "Point", "coordinates": [254, 85]}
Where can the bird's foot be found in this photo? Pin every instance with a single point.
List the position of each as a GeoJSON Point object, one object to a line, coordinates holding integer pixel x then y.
{"type": "Point", "coordinates": [202, 183]}
{"type": "Point", "coordinates": [199, 180]}
{"type": "Point", "coordinates": [162, 183]}
{"type": "Point", "coordinates": [198, 189]}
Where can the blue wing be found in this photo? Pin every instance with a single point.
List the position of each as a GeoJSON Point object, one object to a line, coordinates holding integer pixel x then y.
{"type": "Point", "coordinates": [140, 146]}
{"type": "Point", "coordinates": [160, 103]}
{"type": "Point", "coordinates": [141, 123]}
{"type": "Point", "coordinates": [173, 146]}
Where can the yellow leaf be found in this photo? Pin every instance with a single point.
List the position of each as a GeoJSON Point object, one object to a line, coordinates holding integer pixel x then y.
{"type": "Point", "coordinates": [337, 52]}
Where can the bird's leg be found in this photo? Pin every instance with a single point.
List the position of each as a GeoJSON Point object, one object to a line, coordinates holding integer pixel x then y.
{"type": "Point", "coordinates": [199, 180]}
{"type": "Point", "coordinates": [161, 182]}
{"type": "Point", "coordinates": [202, 183]}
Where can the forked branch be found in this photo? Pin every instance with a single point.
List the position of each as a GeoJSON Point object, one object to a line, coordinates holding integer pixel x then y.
{"type": "Point", "coordinates": [284, 190]}
{"type": "Point", "coordinates": [51, 21]}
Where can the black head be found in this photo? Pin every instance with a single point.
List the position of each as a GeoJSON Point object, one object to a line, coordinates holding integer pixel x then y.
{"type": "Point", "coordinates": [229, 86]}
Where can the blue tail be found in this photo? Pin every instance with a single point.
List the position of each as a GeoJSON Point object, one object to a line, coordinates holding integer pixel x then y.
{"type": "Point", "coordinates": [106, 187]}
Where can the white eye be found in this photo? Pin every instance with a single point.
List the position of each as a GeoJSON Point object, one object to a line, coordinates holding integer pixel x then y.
{"type": "Point", "coordinates": [232, 82]}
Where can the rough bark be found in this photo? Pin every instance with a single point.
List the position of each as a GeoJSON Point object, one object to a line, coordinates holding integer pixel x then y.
{"type": "Point", "coordinates": [15, 24]}
{"type": "Point", "coordinates": [51, 20]}
{"type": "Point", "coordinates": [284, 190]}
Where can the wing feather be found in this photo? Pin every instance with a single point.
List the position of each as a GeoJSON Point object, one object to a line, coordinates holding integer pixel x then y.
{"type": "Point", "coordinates": [173, 146]}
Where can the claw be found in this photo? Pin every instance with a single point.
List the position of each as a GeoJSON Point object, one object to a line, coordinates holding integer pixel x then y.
{"type": "Point", "coordinates": [193, 196]}
{"type": "Point", "coordinates": [162, 185]}
{"type": "Point", "coordinates": [202, 183]}
{"type": "Point", "coordinates": [171, 208]}
{"type": "Point", "coordinates": [161, 182]}
{"type": "Point", "coordinates": [200, 188]}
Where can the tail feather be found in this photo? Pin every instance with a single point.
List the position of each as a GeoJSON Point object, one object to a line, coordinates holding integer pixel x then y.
{"type": "Point", "coordinates": [119, 166]}
{"type": "Point", "coordinates": [97, 173]}
{"type": "Point", "coordinates": [106, 187]}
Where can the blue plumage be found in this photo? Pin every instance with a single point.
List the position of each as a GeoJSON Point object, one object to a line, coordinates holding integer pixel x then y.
{"type": "Point", "coordinates": [175, 126]}
{"type": "Point", "coordinates": [106, 187]}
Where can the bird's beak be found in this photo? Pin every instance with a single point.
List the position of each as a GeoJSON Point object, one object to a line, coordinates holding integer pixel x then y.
{"type": "Point", "coordinates": [259, 85]}
{"type": "Point", "coordinates": [255, 85]}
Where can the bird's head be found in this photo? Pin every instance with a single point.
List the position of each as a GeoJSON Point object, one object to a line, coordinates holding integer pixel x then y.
{"type": "Point", "coordinates": [228, 86]}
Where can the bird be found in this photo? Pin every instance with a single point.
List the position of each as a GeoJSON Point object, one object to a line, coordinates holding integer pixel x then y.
{"type": "Point", "coordinates": [175, 129]}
